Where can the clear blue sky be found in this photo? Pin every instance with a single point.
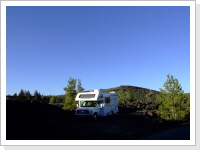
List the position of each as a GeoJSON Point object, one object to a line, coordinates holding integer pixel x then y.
{"type": "Point", "coordinates": [105, 47]}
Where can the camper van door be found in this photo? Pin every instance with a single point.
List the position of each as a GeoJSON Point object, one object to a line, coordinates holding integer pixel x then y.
{"type": "Point", "coordinates": [101, 108]}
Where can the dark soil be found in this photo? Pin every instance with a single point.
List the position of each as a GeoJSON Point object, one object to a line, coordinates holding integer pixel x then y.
{"type": "Point", "coordinates": [36, 121]}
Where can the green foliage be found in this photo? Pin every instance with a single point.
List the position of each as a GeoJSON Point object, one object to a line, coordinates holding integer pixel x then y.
{"type": "Point", "coordinates": [71, 91]}
{"type": "Point", "coordinates": [15, 95]}
{"type": "Point", "coordinates": [79, 86]}
{"type": "Point", "coordinates": [174, 104]}
{"type": "Point", "coordinates": [150, 97]}
{"type": "Point", "coordinates": [70, 102]}
{"type": "Point", "coordinates": [70, 95]}
{"type": "Point", "coordinates": [21, 95]}
{"type": "Point", "coordinates": [37, 95]}
{"type": "Point", "coordinates": [138, 92]}
{"type": "Point", "coordinates": [28, 95]}
{"type": "Point", "coordinates": [150, 106]}
{"type": "Point", "coordinates": [71, 86]}
{"type": "Point", "coordinates": [125, 97]}
{"type": "Point", "coordinates": [52, 100]}
{"type": "Point", "coordinates": [60, 98]}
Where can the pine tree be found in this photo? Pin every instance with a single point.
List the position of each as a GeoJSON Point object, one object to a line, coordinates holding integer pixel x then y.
{"type": "Point", "coordinates": [37, 95]}
{"type": "Point", "coordinates": [15, 94]}
{"type": "Point", "coordinates": [173, 102]}
{"type": "Point", "coordinates": [28, 95]}
{"type": "Point", "coordinates": [79, 86]}
{"type": "Point", "coordinates": [21, 95]}
{"type": "Point", "coordinates": [70, 95]}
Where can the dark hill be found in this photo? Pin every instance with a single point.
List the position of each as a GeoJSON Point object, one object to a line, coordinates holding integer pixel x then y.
{"type": "Point", "coordinates": [138, 92]}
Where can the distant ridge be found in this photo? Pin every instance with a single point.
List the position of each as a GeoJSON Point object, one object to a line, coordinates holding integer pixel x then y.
{"type": "Point", "coordinates": [138, 92]}
{"type": "Point", "coordinates": [121, 87]}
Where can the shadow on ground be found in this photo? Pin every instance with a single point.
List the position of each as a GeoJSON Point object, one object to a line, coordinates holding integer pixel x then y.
{"type": "Point", "coordinates": [36, 121]}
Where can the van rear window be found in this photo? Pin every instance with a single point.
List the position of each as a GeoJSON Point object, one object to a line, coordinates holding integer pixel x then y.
{"type": "Point", "coordinates": [87, 96]}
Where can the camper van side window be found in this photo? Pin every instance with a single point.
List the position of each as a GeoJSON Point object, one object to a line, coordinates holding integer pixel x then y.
{"type": "Point", "coordinates": [107, 99]}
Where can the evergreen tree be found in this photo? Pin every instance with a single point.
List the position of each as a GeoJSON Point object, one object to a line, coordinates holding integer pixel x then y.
{"type": "Point", "coordinates": [37, 95]}
{"type": "Point", "coordinates": [15, 94]}
{"type": "Point", "coordinates": [174, 104]}
{"type": "Point", "coordinates": [28, 95]}
{"type": "Point", "coordinates": [52, 100]}
{"type": "Point", "coordinates": [21, 95]}
{"type": "Point", "coordinates": [79, 86]}
{"type": "Point", "coordinates": [70, 95]}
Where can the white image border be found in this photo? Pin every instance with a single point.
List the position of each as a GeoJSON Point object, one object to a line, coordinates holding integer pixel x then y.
{"type": "Point", "coordinates": [97, 3]}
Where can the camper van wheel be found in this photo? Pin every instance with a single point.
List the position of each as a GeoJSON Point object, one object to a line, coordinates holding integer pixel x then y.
{"type": "Point", "coordinates": [95, 116]}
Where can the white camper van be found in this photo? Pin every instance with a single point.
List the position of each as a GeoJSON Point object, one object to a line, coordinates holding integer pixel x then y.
{"type": "Point", "coordinates": [96, 103]}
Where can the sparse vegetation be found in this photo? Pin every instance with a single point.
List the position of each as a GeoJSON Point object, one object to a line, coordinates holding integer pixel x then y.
{"type": "Point", "coordinates": [147, 110]}
{"type": "Point", "coordinates": [173, 103]}
{"type": "Point", "coordinates": [139, 93]}
{"type": "Point", "coordinates": [71, 91]}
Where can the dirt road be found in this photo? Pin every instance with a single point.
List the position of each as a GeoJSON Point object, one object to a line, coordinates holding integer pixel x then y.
{"type": "Point", "coordinates": [181, 133]}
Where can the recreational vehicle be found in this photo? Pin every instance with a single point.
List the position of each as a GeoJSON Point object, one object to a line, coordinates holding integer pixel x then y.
{"type": "Point", "coordinates": [96, 104]}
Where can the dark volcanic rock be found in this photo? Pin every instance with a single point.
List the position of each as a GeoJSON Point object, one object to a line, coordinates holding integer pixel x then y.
{"type": "Point", "coordinates": [37, 121]}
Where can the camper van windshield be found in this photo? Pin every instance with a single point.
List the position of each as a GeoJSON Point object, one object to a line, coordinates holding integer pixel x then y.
{"type": "Point", "coordinates": [88, 104]}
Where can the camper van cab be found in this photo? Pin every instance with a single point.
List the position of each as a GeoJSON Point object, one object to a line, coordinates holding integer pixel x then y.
{"type": "Point", "coordinates": [96, 104]}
